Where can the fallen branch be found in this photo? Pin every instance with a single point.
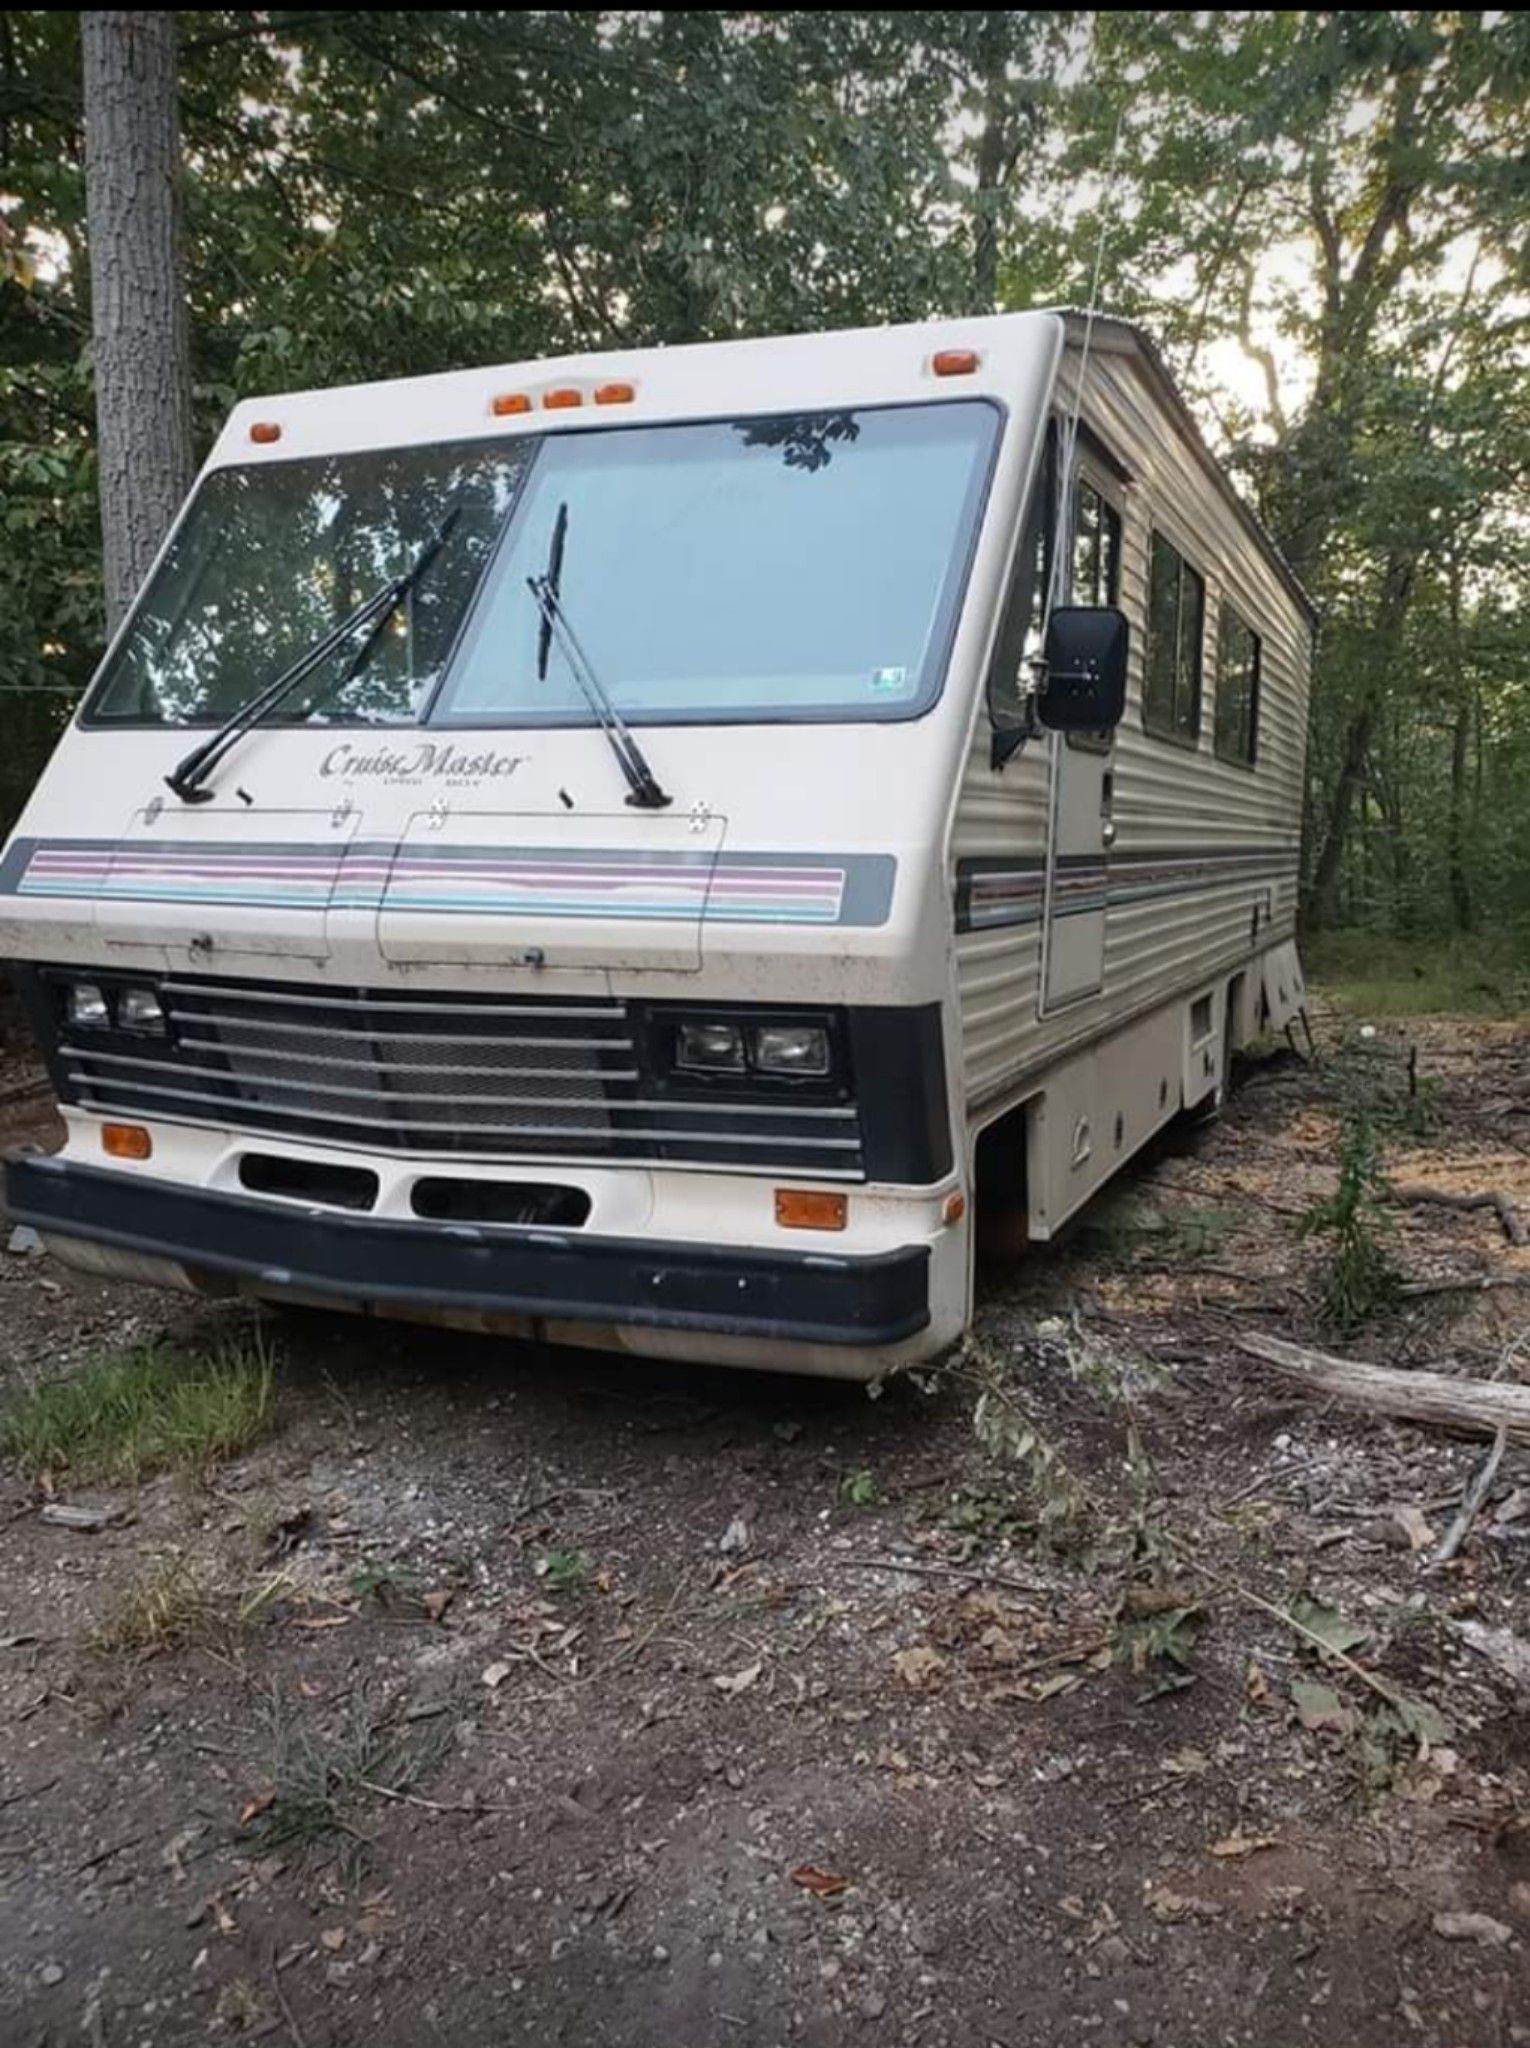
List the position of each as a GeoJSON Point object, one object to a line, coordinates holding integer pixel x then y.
{"type": "Point", "coordinates": [1309, 1636]}
{"type": "Point", "coordinates": [1513, 1224]}
{"type": "Point", "coordinates": [1469, 1283]}
{"type": "Point", "coordinates": [468, 1806]}
{"type": "Point", "coordinates": [1477, 1407]}
{"type": "Point", "coordinates": [1471, 1505]}
{"type": "Point", "coordinates": [935, 1571]}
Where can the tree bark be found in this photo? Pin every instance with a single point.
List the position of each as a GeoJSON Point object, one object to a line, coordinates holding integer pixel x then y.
{"type": "Point", "coordinates": [138, 302]}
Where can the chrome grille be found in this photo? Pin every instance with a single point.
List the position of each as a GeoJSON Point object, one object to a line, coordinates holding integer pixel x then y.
{"type": "Point", "coordinates": [480, 1075]}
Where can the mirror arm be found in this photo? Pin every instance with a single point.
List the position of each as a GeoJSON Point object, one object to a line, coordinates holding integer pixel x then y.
{"type": "Point", "coordinates": [1009, 739]}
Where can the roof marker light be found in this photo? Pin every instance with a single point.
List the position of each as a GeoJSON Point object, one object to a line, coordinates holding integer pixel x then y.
{"type": "Point", "coordinates": [264, 432]}
{"type": "Point", "coordinates": [561, 397]}
{"type": "Point", "coordinates": [615, 394]}
{"type": "Point", "coordinates": [505, 402]}
{"type": "Point", "coordinates": [954, 362]}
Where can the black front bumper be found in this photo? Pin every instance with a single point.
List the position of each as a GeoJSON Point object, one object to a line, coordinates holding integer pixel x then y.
{"type": "Point", "coordinates": [736, 1291]}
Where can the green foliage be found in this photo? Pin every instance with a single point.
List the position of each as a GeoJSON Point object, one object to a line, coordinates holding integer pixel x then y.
{"type": "Point", "coordinates": [564, 1571]}
{"type": "Point", "coordinates": [129, 1413]}
{"type": "Point", "coordinates": [1372, 976]}
{"type": "Point", "coordinates": [385, 1580]}
{"type": "Point", "coordinates": [859, 1489]}
{"type": "Point", "coordinates": [1359, 1277]}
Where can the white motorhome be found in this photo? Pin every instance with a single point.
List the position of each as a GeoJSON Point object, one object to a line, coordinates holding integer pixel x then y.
{"type": "Point", "coordinates": [619, 849]}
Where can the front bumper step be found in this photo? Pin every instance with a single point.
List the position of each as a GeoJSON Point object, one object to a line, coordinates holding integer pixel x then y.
{"type": "Point", "coordinates": [738, 1291]}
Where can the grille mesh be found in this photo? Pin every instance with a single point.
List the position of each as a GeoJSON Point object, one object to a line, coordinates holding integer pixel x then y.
{"type": "Point", "coordinates": [442, 1074]}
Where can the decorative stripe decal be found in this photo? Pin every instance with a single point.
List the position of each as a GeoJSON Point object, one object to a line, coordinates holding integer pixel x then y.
{"type": "Point", "coordinates": [994, 892]}
{"type": "Point", "coordinates": [736, 888]}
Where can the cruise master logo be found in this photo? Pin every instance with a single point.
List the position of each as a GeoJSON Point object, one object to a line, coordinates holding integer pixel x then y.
{"type": "Point", "coordinates": [428, 761]}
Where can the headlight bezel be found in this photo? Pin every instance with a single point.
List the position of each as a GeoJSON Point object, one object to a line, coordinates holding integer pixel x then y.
{"type": "Point", "coordinates": [664, 1028]}
{"type": "Point", "coordinates": [129, 1008]}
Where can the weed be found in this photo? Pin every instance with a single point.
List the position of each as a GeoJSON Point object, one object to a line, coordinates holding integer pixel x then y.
{"type": "Point", "coordinates": [187, 1603]}
{"type": "Point", "coordinates": [1063, 1517]}
{"type": "Point", "coordinates": [321, 1781]}
{"type": "Point", "coordinates": [128, 1413]}
{"type": "Point", "coordinates": [387, 1581]}
{"type": "Point", "coordinates": [1125, 1226]}
{"type": "Point", "coordinates": [1359, 1277]}
{"type": "Point", "coordinates": [977, 1520]}
{"type": "Point", "coordinates": [859, 1489]}
{"type": "Point", "coordinates": [1156, 1625]}
{"type": "Point", "coordinates": [564, 1571]}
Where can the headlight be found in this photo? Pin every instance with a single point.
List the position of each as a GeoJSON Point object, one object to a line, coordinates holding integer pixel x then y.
{"type": "Point", "coordinates": [138, 1009]}
{"type": "Point", "coordinates": [85, 1007]}
{"type": "Point", "coordinates": [709, 1048]}
{"type": "Point", "coordinates": [790, 1049]}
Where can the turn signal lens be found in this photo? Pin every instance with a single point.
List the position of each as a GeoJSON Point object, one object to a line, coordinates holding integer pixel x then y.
{"type": "Point", "coordinates": [508, 402]}
{"type": "Point", "coordinates": [615, 394]}
{"type": "Point", "coordinates": [562, 397]}
{"type": "Point", "coordinates": [954, 362]}
{"type": "Point", "coordinates": [126, 1141]}
{"type": "Point", "coordinates": [811, 1209]}
{"type": "Point", "coordinates": [264, 432]}
{"type": "Point", "coordinates": [954, 1207]}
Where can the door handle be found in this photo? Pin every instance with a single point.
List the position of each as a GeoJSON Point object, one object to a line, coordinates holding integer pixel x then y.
{"type": "Point", "coordinates": [1108, 832]}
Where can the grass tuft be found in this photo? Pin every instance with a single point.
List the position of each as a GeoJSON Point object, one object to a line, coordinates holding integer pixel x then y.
{"type": "Point", "coordinates": [321, 1781]}
{"type": "Point", "coordinates": [152, 1408]}
{"type": "Point", "coordinates": [186, 1603]}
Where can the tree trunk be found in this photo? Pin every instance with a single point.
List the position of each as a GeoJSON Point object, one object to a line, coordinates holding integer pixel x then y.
{"type": "Point", "coordinates": [1460, 747]}
{"type": "Point", "coordinates": [992, 151]}
{"type": "Point", "coordinates": [1391, 610]}
{"type": "Point", "coordinates": [138, 300]}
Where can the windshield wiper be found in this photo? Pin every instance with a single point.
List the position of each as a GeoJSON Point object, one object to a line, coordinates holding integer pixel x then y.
{"type": "Point", "coordinates": [189, 776]}
{"type": "Point", "coordinates": [646, 793]}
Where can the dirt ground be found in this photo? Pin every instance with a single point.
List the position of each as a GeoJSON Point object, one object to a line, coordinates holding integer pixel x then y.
{"type": "Point", "coordinates": [652, 1707]}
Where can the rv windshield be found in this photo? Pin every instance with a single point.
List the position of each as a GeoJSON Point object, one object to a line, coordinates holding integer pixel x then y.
{"type": "Point", "coordinates": [271, 558]}
{"type": "Point", "coordinates": [796, 566]}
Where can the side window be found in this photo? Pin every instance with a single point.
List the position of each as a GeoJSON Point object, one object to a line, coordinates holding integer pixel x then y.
{"type": "Point", "coordinates": [1236, 722]}
{"type": "Point", "coordinates": [1171, 682]}
{"type": "Point", "coordinates": [1096, 562]}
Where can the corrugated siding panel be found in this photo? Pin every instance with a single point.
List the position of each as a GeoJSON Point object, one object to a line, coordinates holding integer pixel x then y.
{"type": "Point", "coordinates": [1167, 797]}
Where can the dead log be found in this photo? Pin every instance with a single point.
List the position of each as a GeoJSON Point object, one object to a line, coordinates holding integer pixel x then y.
{"type": "Point", "coordinates": [1509, 1218]}
{"type": "Point", "coordinates": [1477, 1407]}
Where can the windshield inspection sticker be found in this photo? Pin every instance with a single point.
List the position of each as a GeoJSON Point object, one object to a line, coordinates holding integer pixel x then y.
{"type": "Point", "coordinates": [888, 678]}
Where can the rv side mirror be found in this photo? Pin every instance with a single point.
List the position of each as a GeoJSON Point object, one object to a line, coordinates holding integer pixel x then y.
{"type": "Point", "coordinates": [1083, 687]}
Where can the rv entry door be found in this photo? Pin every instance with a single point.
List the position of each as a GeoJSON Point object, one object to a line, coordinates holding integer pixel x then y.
{"type": "Point", "coordinates": [1079, 833]}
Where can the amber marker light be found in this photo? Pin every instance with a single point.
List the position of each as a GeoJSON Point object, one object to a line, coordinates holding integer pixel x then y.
{"type": "Point", "coordinates": [126, 1141]}
{"type": "Point", "coordinates": [615, 394]}
{"type": "Point", "coordinates": [507, 402]}
{"type": "Point", "coordinates": [264, 432]}
{"type": "Point", "coordinates": [954, 362]}
{"type": "Point", "coordinates": [954, 1207]}
{"type": "Point", "coordinates": [561, 398]}
{"type": "Point", "coordinates": [811, 1209]}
